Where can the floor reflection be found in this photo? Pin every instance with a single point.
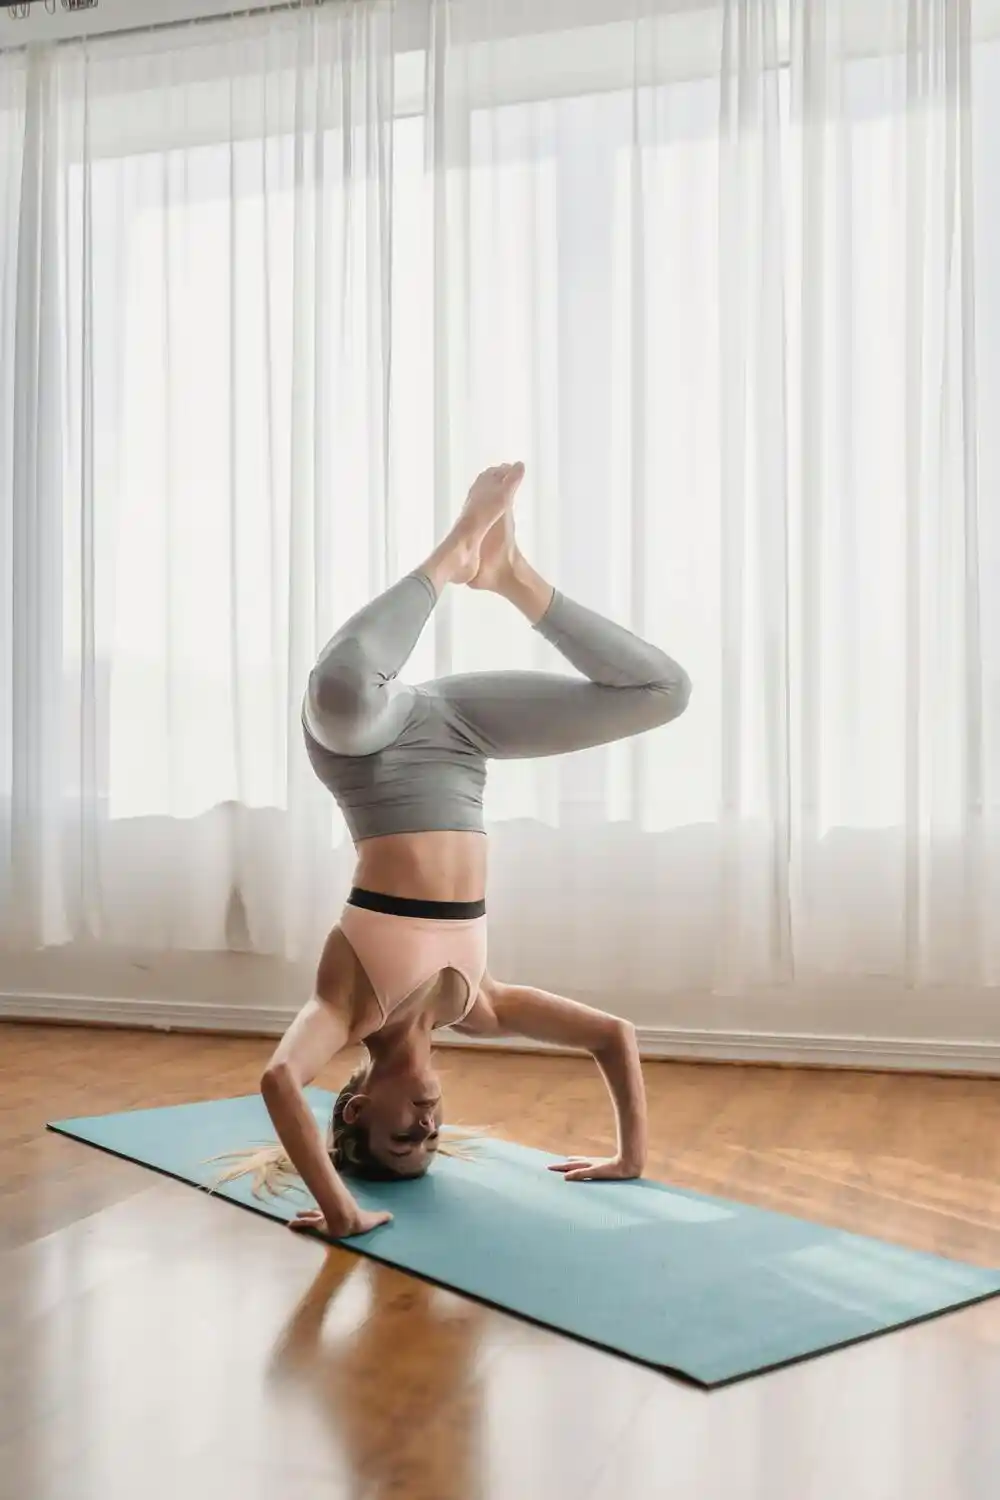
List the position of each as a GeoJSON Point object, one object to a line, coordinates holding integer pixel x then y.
{"type": "Point", "coordinates": [392, 1366]}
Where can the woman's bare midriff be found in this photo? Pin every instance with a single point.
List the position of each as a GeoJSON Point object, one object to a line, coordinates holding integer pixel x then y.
{"type": "Point", "coordinates": [438, 866]}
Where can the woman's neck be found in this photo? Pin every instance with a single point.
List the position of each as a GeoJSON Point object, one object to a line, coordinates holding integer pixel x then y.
{"type": "Point", "coordinates": [403, 1046]}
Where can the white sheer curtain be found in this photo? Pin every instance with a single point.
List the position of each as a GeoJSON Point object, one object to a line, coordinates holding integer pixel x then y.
{"type": "Point", "coordinates": [724, 274]}
{"type": "Point", "coordinates": [896, 658]}
{"type": "Point", "coordinates": [198, 282]}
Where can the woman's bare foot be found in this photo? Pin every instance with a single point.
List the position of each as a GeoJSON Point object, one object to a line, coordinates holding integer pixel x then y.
{"type": "Point", "coordinates": [487, 507]}
{"type": "Point", "coordinates": [504, 570]}
{"type": "Point", "coordinates": [457, 559]}
{"type": "Point", "coordinates": [498, 555]}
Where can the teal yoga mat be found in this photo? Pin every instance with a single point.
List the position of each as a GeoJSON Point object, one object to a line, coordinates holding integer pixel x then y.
{"type": "Point", "coordinates": [697, 1286]}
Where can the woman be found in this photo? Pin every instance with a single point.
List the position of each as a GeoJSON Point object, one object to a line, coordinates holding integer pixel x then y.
{"type": "Point", "coordinates": [407, 766]}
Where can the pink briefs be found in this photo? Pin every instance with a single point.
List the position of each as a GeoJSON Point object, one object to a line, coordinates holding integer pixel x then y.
{"type": "Point", "coordinates": [400, 951]}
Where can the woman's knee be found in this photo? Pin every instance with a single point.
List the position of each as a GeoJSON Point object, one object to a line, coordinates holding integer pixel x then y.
{"type": "Point", "coordinates": [339, 695]}
{"type": "Point", "coordinates": [669, 697]}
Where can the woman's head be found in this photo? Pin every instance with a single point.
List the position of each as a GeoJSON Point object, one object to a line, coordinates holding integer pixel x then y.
{"type": "Point", "coordinates": [386, 1125]}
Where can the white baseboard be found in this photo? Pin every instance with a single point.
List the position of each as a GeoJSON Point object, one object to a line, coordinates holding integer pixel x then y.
{"type": "Point", "coordinates": [793, 1049]}
{"type": "Point", "coordinates": [906, 1054]}
{"type": "Point", "coordinates": [146, 1015]}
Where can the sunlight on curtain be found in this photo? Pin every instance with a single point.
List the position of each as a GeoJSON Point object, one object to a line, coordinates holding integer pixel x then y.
{"type": "Point", "coordinates": [723, 275]}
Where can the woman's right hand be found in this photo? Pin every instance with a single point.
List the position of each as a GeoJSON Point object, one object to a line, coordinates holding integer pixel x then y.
{"type": "Point", "coordinates": [342, 1226]}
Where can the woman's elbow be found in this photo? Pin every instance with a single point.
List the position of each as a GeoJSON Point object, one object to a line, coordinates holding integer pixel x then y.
{"type": "Point", "coordinates": [618, 1036]}
{"type": "Point", "coordinates": [277, 1081]}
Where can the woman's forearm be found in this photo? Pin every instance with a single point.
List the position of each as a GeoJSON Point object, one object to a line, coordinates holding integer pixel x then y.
{"type": "Point", "coordinates": [621, 1068]}
{"type": "Point", "coordinates": [518, 1010]}
{"type": "Point", "coordinates": [300, 1135]}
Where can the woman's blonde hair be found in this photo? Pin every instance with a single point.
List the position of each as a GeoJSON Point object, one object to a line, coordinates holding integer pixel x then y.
{"type": "Point", "coordinates": [350, 1151]}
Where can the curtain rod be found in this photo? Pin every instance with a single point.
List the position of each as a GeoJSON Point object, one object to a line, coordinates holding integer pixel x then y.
{"type": "Point", "coordinates": [158, 26]}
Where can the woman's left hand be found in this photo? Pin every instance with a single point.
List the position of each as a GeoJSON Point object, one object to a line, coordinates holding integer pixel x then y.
{"type": "Point", "coordinates": [580, 1169]}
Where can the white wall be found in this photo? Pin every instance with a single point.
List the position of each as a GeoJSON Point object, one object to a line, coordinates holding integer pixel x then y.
{"type": "Point", "coordinates": [926, 1029]}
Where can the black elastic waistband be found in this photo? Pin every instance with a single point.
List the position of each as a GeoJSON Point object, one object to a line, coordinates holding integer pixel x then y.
{"type": "Point", "coordinates": [405, 906]}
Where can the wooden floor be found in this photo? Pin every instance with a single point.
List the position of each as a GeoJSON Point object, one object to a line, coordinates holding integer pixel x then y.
{"type": "Point", "coordinates": [156, 1345]}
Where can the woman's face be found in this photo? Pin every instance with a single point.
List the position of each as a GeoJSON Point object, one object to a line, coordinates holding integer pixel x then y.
{"type": "Point", "coordinates": [403, 1120]}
